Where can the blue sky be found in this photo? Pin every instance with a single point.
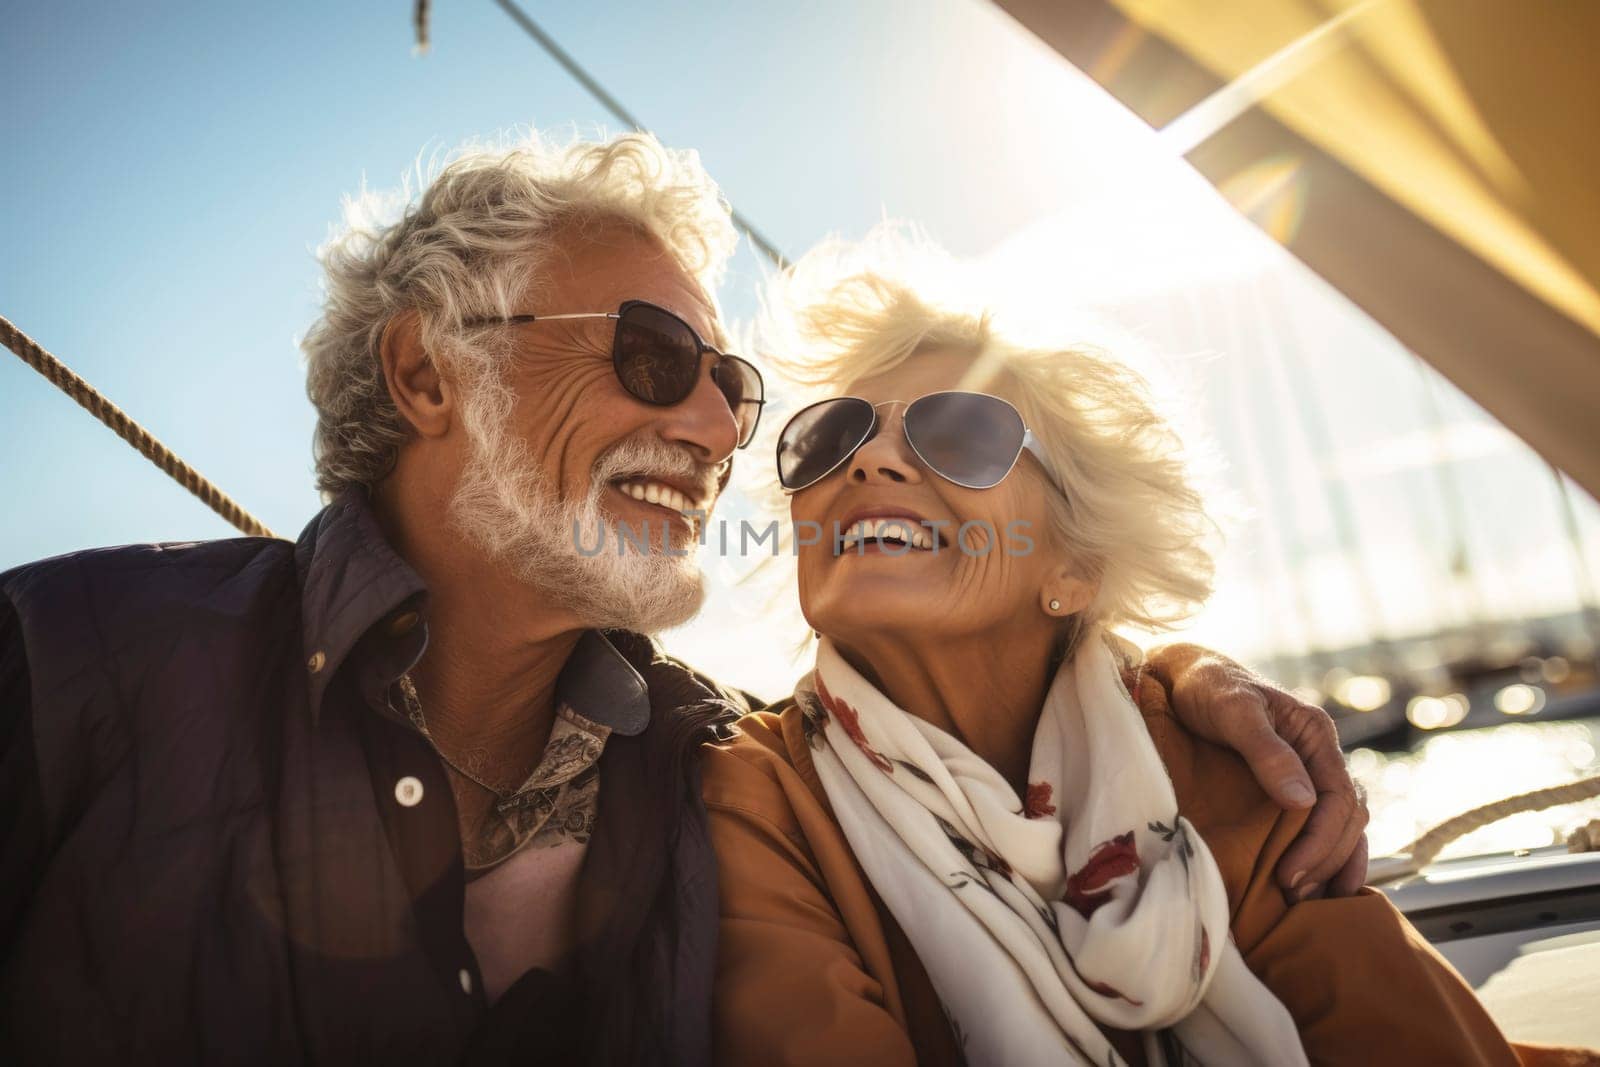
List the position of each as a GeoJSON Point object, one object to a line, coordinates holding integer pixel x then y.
{"type": "Point", "coordinates": [170, 169]}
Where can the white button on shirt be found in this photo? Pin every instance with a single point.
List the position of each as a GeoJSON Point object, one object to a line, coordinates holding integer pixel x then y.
{"type": "Point", "coordinates": [408, 791]}
{"type": "Point", "coordinates": [466, 981]}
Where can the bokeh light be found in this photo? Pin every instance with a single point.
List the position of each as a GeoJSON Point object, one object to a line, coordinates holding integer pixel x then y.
{"type": "Point", "coordinates": [1519, 699]}
{"type": "Point", "coordinates": [1434, 713]}
{"type": "Point", "coordinates": [1364, 692]}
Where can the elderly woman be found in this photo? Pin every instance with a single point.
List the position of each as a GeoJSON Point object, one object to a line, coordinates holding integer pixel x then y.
{"type": "Point", "coordinates": [977, 833]}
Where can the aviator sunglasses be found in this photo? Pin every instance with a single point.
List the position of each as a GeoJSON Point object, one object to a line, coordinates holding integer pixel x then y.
{"type": "Point", "coordinates": [971, 439]}
{"type": "Point", "coordinates": [657, 359]}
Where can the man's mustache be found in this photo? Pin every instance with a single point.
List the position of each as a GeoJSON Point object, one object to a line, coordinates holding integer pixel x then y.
{"type": "Point", "coordinates": [649, 457]}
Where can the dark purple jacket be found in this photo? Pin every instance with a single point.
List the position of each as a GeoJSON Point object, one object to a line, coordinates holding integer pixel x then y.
{"type": "Point", "coordinates": [202, 858]}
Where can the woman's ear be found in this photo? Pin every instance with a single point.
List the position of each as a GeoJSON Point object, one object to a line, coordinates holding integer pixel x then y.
{"type": "Point", "coordinates": [1066, 593]}
{"type": "Point", "coordinates": [424, 399]}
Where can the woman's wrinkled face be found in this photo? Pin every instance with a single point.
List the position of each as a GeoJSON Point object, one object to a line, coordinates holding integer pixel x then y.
{"type": "Point", "coordinates": [979, 558]}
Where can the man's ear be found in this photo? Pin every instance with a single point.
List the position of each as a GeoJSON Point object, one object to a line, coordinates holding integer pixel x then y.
{"type": "Point", "coordinates": [1067, 593]}
{"type": "Point", "coordinates": [424, 399]}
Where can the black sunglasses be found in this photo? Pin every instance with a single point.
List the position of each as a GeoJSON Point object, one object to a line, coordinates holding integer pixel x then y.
{"type": "Point", "coordinates": [971, 439]}
{"type": "Point", "coordinates": [657, 359]}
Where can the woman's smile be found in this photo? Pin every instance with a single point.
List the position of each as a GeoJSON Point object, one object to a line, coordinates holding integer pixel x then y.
{"type": "Point", "coordinates": [885, 531]}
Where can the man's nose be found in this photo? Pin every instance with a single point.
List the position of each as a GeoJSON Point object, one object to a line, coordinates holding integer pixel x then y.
{"type": "Point", "coordinates": [703, 422]}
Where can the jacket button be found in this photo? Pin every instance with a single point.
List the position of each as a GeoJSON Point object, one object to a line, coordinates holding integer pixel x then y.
{"type": "Point", "coordinates": [314, 664]}
{"type": "Point", "coordinates": [403, 623]}
{"type": "Point", "coordinates": [466, 981]}
{"type": "Point", "coordinates": [408, 791]}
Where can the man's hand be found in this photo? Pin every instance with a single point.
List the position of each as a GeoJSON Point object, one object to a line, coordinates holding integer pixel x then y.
{"type": "Point", "coordinates": [1293, 750]}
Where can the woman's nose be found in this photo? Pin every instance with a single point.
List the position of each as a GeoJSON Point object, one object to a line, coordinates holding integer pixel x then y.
{"type": "Point", "coordinates": [887, 457]}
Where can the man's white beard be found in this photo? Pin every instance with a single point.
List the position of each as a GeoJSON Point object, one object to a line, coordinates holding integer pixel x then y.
{"type": "Point", "coordinates": [505, 507]}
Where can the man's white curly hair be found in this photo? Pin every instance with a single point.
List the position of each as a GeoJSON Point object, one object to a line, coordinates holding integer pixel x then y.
{"type": "Point", "coordinates": [473, 244]}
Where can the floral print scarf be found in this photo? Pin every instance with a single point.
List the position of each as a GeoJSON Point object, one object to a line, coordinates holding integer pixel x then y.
{"type": "Point", "coordinates": [1090, 902]}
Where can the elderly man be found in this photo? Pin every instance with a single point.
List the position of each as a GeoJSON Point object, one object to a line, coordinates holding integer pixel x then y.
{"type": "Point", "coordinates": [415, 788]}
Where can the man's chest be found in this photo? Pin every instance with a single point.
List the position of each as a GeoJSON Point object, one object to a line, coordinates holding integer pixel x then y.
{"type": "Point", "coordinates": [522, 914]}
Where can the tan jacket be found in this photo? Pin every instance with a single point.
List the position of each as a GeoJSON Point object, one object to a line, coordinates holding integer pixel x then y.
{"type": "Point", "coordinates": [813, 970]}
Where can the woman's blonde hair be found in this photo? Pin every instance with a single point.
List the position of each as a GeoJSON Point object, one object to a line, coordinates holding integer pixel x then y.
{"type": "Point", "coordinates": [1128, 514]}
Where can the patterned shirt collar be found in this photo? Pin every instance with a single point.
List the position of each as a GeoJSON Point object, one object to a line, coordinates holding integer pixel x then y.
{"type": "Point", "coordinates": [557, 803]}
{"type": "Point", "coordinates": [599, 693]}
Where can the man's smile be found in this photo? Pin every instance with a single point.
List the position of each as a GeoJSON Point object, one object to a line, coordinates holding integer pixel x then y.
{"type": "Point", "coordinates": [662, 499]}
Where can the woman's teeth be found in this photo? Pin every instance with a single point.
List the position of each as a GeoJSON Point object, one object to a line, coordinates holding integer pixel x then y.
{"type": "Point", "coordinates": [658, 493]}
{"type": "Point", "coordinates": [894, 531]}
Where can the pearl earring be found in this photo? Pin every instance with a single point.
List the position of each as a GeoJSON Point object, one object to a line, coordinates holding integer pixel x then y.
{"type": "Point", "coordinates": [1055, 605]}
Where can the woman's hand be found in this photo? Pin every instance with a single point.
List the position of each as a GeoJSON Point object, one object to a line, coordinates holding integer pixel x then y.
{"type": "Point", "coordinates": [1292, 749]}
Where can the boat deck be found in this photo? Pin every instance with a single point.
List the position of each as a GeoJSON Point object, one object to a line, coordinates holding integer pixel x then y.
{"type": "Point", "coordinates": [1524, 928]}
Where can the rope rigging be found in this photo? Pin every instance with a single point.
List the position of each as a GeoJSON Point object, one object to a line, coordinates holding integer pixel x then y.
{"type": "Point", "coordinates": [611, 104]}
{"type": "Point", "coordinates": [1425, 849]}
{"type": "Point", "coordinates": [118, 421]}
{"type": "Point", "coordinates": [422, 14]}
